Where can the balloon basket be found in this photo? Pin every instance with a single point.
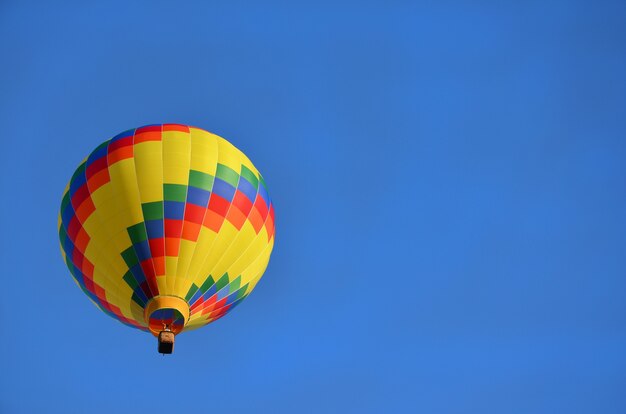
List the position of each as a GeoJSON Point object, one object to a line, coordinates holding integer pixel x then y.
{"type": "Point", "coordinates": [166, 342]}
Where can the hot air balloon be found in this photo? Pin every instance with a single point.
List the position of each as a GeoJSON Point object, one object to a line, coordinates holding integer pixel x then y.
{"type": "Point", "coordinates": [166, 228]}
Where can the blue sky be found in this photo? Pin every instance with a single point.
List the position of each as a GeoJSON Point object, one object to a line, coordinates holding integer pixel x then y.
{"type": "Point", "coordinates": [449, 188]}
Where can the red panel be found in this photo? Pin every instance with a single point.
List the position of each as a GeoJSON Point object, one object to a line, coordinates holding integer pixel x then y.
{"type": "Point", "coordinates": [269, 226]}
{"type": "Point", "coordinates": [89, 285]}
{"type": "Point", "coordinates": [148, 269]}
{"type": "Point", "coordinates": [120, 154]}
{"type": "Point", "coordinates": [197, 303]}
{"type": "Point", "coordinates": [73, 227]}
{"type": "Point", "coordinates": [194, 213]}
{"type": "Point", "coordinates": [218, 204]}
{"type": "Point", "coordinates": [157, 247]}
{"type": "Point", "coordinates": [148, 128]}
{"type": "Point", "coordinates": [120, 143]}
{"type": "Point", "coordinates": [260, 205]}
{"type": "Point", "coordinates": [209, 302]}
{"type": "Point", "coordinates": [272, 210]}
{"type": "Point", "coordinates": [216, 305]}
{"type": "Point", "coordinates": [255, 220]}
{"type": "Point", "coordinates": [213, 221]}
{"type": "Point", "coordinates": [159, 264]}
{"type": "Point", "coordinates": [77, 258]}
{"type": "Point", "coordinates": [175, 127]}
{"type": "Point", "coordinates": [220, 312]}
{"type": "Point", "coordinates": [145, 288]}
{"type": "Point", "coordinates": [98, 180]}
{"type": "Point", "coordinates": [116, 311]}
{"type": "Point", "coordinates": [191, 231]}
{"type": "Point", "coordinates": [173, 228]}
{"type": "Point", "coordinates": [99, 292]}
{"type": "Point", "coordinates": [143, 135]}
{"type": "Point", "coordinates": [97, 165]}
{"type": "Point", "coordinates": [172, 246]}
{"type": "Point", "coordinates": [82, 240]}
{"type": "Point", "coordinates": [153, 286]}
{"type": "Point", "coordinates": [87, 268]}
{"type": "Point", "coordinates": [236, 217]}
{"type": "Point", "coordinates": [85, 210]}
{"type": "Point", "coordinates": [80, 195]}
{"type": "Point", "coordinates": [242, 202]}
{"type": "Point", "coordinates": [106, 305]}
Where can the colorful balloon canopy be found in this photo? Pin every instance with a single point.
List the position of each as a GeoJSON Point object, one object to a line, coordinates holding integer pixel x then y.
{"type": "Point", "coordinates": [166, 227]}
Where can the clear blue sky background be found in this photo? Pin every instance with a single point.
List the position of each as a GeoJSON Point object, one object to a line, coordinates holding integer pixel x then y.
{"type": "Point", "coordinates": [449, 188]}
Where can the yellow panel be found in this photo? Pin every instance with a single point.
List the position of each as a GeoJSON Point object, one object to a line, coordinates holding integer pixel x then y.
{"type": "Point", "coordinates": [226, 235]}
{"type": "Point", "coordinates": [185, 253]}
{"type": "Point", "coordinates": [126, 189]}
{"type": "Point", "coordinates": [176, 163]}
{"type": "Point", "coordinates": [204, 151]}
{"type": "Point", "coordinates": [196, 272]}
{"type": "Point", "coordinates": [228, 155]}
{"type": "Point", "coordinates": [149, 169]}
{"type": "Point", "coordinates": [247, 255]}
{"type": "Point", "coordinates": [234, 249]}
{"type": "Point", "coordinates": [176, 168]}
{"type": "Point", "coordinates": [162, 284]}
{"type": "Point", "coordinates": [257, 268]}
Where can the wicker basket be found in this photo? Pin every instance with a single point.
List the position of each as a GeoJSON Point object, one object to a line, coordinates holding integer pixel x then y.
{"type": "Point", "coordinates": [166, 342]}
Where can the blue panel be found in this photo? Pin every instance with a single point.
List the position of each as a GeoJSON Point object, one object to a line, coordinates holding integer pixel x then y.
{"type": "Point", "coordinates": [154, 229]}
{"type": "Point", "coordinates": [78, 180]}
{"type": "Point", "coordinates": [143, 250]}
{"type": "Point", "coordinates": [140, 294]}
{"type": "Point", "coordinates": [99, 152]}
{"type": "Point", "coordinates": [235, 303]}
{"type": "Point", "coordinates": [223, 292]}
{"type": "Point", "coordinates": [263, 193]}
{"type": "Point", "coordinates": [67, 214]}
{"type": "Point", "coordinates": [232, 298]}
{"type": "Point", "coordinates": [247, 188]}
{"type": "Point", "coordinates": [198, 196]}
{"type": "Point", "coordinates": [223, 189]}
{"type": "Point", "coordinates": [210, 292]}
{"type": "Point", "coordinates": [174, 210]}
{"type": "Point", "coordinates": [68, 247]}
{"type": "Point", "coordinates": [124, 134]}
{"type": "Point", "coordinates": [137, 271]}
{"type": "Point", "coordinates": [196, 296]}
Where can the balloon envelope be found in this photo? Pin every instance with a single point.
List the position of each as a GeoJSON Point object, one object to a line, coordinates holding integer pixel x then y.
{"type": "Point", "coordinates": [166, 225]}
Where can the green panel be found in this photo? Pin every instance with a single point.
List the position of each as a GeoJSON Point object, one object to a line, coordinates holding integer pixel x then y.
{"type": "Point", "coordinates": [207, 284]}
{"type": "Point", "coordinates": [175, 192]}
{"type": "Point", "coordinates": [201, 180]}
{"type": "Point", "coordinates": [130, 257]}
{"type": "Point", "coordinates": [70, 266]}
{"type": "Point", "coordinates": [65, 201]}
{"type": "Point", "coordinates": [138, 300]}
{"type": "Point", "coordinates": [192, 291]}
{"type": "Point", "coordinates": [99, 147]}
{"type": "Point", "coordinates": [222, 282]}
{"type": "Point", "coordinates": [234, 285]}
{"type": "Point", "coordinates": [62, 236]}
{"type": "Point", "coordinates": [79, 171]}
{"type": "Point", "coordinates": [137, 233]}
{"type": "Point", "coordinates": [242, 291]}
{"type": "Point", "coordinates": [152, 211]}
{"type": "Point", "coordinates": [130, 280]}
{"type": "Point", "coordinates": [227, 174]}
{"type": "Point", "coordinates": [250, 176]}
